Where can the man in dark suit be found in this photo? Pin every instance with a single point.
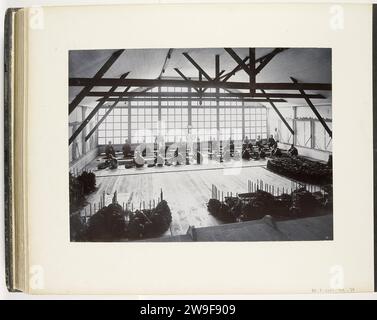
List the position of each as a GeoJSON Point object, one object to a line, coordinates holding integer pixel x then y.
{"type": "Point", "coordinates": [126, 149]}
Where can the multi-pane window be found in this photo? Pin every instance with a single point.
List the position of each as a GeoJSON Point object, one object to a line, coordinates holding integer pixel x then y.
{"type": "Point", "coordinates": [303, 133]}
{"type": "Point", "coordinates": [230, 123]}
{"type": "Point", "coordinates": [204, 123]}
{"type": "Point", "coordinates": [144, 124]}
{"type": "Point", "coordinates": [174, 100]}
{"type": "Point", "coordinates": [322, 139]}
{"type": "Point", "coordinates": [255, 122]}
{"type": "Point", "coordinates": [285, 135]}
{"type": "Point", "coordinates": [115, 127]}
{"type": "Point", "coordinates": [174, 124]}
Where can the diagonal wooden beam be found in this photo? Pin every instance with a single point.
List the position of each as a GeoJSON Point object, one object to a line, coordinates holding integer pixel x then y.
{"type": "Point", "coordinates": [93, 113]}
{"type": "Point", "coordinates": [314, 109]}
{"type": "Point", "coordinates": [234, 71]}
{"type": "Point", "coordinates": [270, 101]}
{"type": "Point", "coordinates": [82, 94]}
{"type": "Point", "coordinates": [267, 59]}
{"type": "Point", "coordinates": [185, 78]}
{"type": "Point", "coordinates": [193, 62]}
{"type": "Point", "coordinates": [239, 61]}
{"type": "Point", "coordinates": [104, 116]}
{"type": "Point", "coordinates": [168, 56]}
{"type": "Point", "coordinates": [226, 76]}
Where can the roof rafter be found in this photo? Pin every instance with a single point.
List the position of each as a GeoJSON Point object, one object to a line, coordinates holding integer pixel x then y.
{"type": "Point", "coordinates": [100, 73]}
{"type": "Point", "coordinates": [314, 109]}
{"type": "Point", "coordinates": [93, 112]}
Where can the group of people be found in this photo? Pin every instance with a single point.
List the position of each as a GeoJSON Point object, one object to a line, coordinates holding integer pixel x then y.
{"type": "Point", "coordinates": [248, 150]}
{"type": "Point", "coordinates": [110, 150]}
{"type": "Point", "coordinates": [271, 145]}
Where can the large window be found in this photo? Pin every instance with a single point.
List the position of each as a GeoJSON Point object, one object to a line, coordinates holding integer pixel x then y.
{"type": "Point", "coordinates": [173, 126]}
{"type": "Point", "coordinates": [115, 126]}
{"type": "Point", "coordinates": [303, 133]}
{"type": "Point", "coordinates": [255, 122]}
{"type": "Point", "coordinates": [174, 123]}
{"type": "Point", "coordinates": [285, 135]}
{"type": "Point", "coordinates": [322, 139]}
{"type": "Point", "coordinates": [144, 123]}
{"type": "Point", "coordinates": [204, 123]}
{"type": "Point", "coordinates": [230, 121]}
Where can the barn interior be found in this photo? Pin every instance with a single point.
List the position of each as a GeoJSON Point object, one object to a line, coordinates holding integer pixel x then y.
{"type": "Point", "coordinates": [197, 144]}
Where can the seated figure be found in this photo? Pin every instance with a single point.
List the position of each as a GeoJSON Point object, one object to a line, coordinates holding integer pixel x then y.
{"type": "Point", "coordinates": [258, 142]}
{"type": "Point", "coordinates": [262, 154]}
{"type": "Point", "coordinates": [110, 151]}
{"type": "Point", "coordinates": [271, 142]}
{"type": "Point", "coordinates": [126, 149]}
{"type": "Point", "coordinates": [276, 152]}
{"type": "Point", "coordinates": [293, 152]}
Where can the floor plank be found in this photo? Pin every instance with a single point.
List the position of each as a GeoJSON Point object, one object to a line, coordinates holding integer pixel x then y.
{"type": "Point", "coordinates": [186, 188]}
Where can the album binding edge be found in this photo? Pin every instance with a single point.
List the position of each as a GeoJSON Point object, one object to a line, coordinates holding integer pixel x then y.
{"type": "Point", "coordinates": [8, 146]}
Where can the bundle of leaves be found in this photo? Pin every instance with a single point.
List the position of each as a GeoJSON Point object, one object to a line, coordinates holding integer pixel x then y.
{"type": "Point", "coordinates": [261, 204]}
{"type": "Point", "coordinates": [150, 222]}
{"type": "Point", "coordinates": [88, 181]}
{"type": "Point", "coordinates": [107, 224]}
{"type": "Point", "coordinates": [76, 193]}
{"type": "Point", "coordinates": [301, 169]}
{"type": "Point", "coordinates": [281, 205]}
{"type": "Point", "coordinates": [77, 227]}
{"type": "Point", "coordinates": [328, 198]}
{"type": "Point", "coordinates": [305, 203]}
{"type": "Point", "coordinates": [220, 210]}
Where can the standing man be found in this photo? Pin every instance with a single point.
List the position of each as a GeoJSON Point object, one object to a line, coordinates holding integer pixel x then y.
{"type": "Point", "coordinates": [277, 135]}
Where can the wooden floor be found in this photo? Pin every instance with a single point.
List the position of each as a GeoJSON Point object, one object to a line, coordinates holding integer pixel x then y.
{"type": "Point", "coordinates": [187, 189]}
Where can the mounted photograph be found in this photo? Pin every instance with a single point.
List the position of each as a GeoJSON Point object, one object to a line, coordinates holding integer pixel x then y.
{"type": "Point", "coordinates": [200, 144]}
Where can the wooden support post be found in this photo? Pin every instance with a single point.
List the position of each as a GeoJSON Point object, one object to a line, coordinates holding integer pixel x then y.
{"type": "Point", "coordinates": [252, 73]}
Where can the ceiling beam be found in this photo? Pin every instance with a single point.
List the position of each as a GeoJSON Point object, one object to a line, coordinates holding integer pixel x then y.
{"type": "Point", "coordinates": [197, 98]}
{"type": "Point", "coordinates": [108, 82]}
{"type": "Point", "coordinates": [271, 102]}
{"type": "Point", "coordinates": [314, 109]}
{"type": "Point", "coordinates": [100, 73]}
{"type": "Point", "coordinates": [93, 113]}
{"type": "Point", "coordinates": [183, 95]}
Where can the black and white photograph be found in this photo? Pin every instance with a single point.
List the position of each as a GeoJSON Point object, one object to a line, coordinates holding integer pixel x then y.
{"type": "Point", "coordinates": [200, 144]}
